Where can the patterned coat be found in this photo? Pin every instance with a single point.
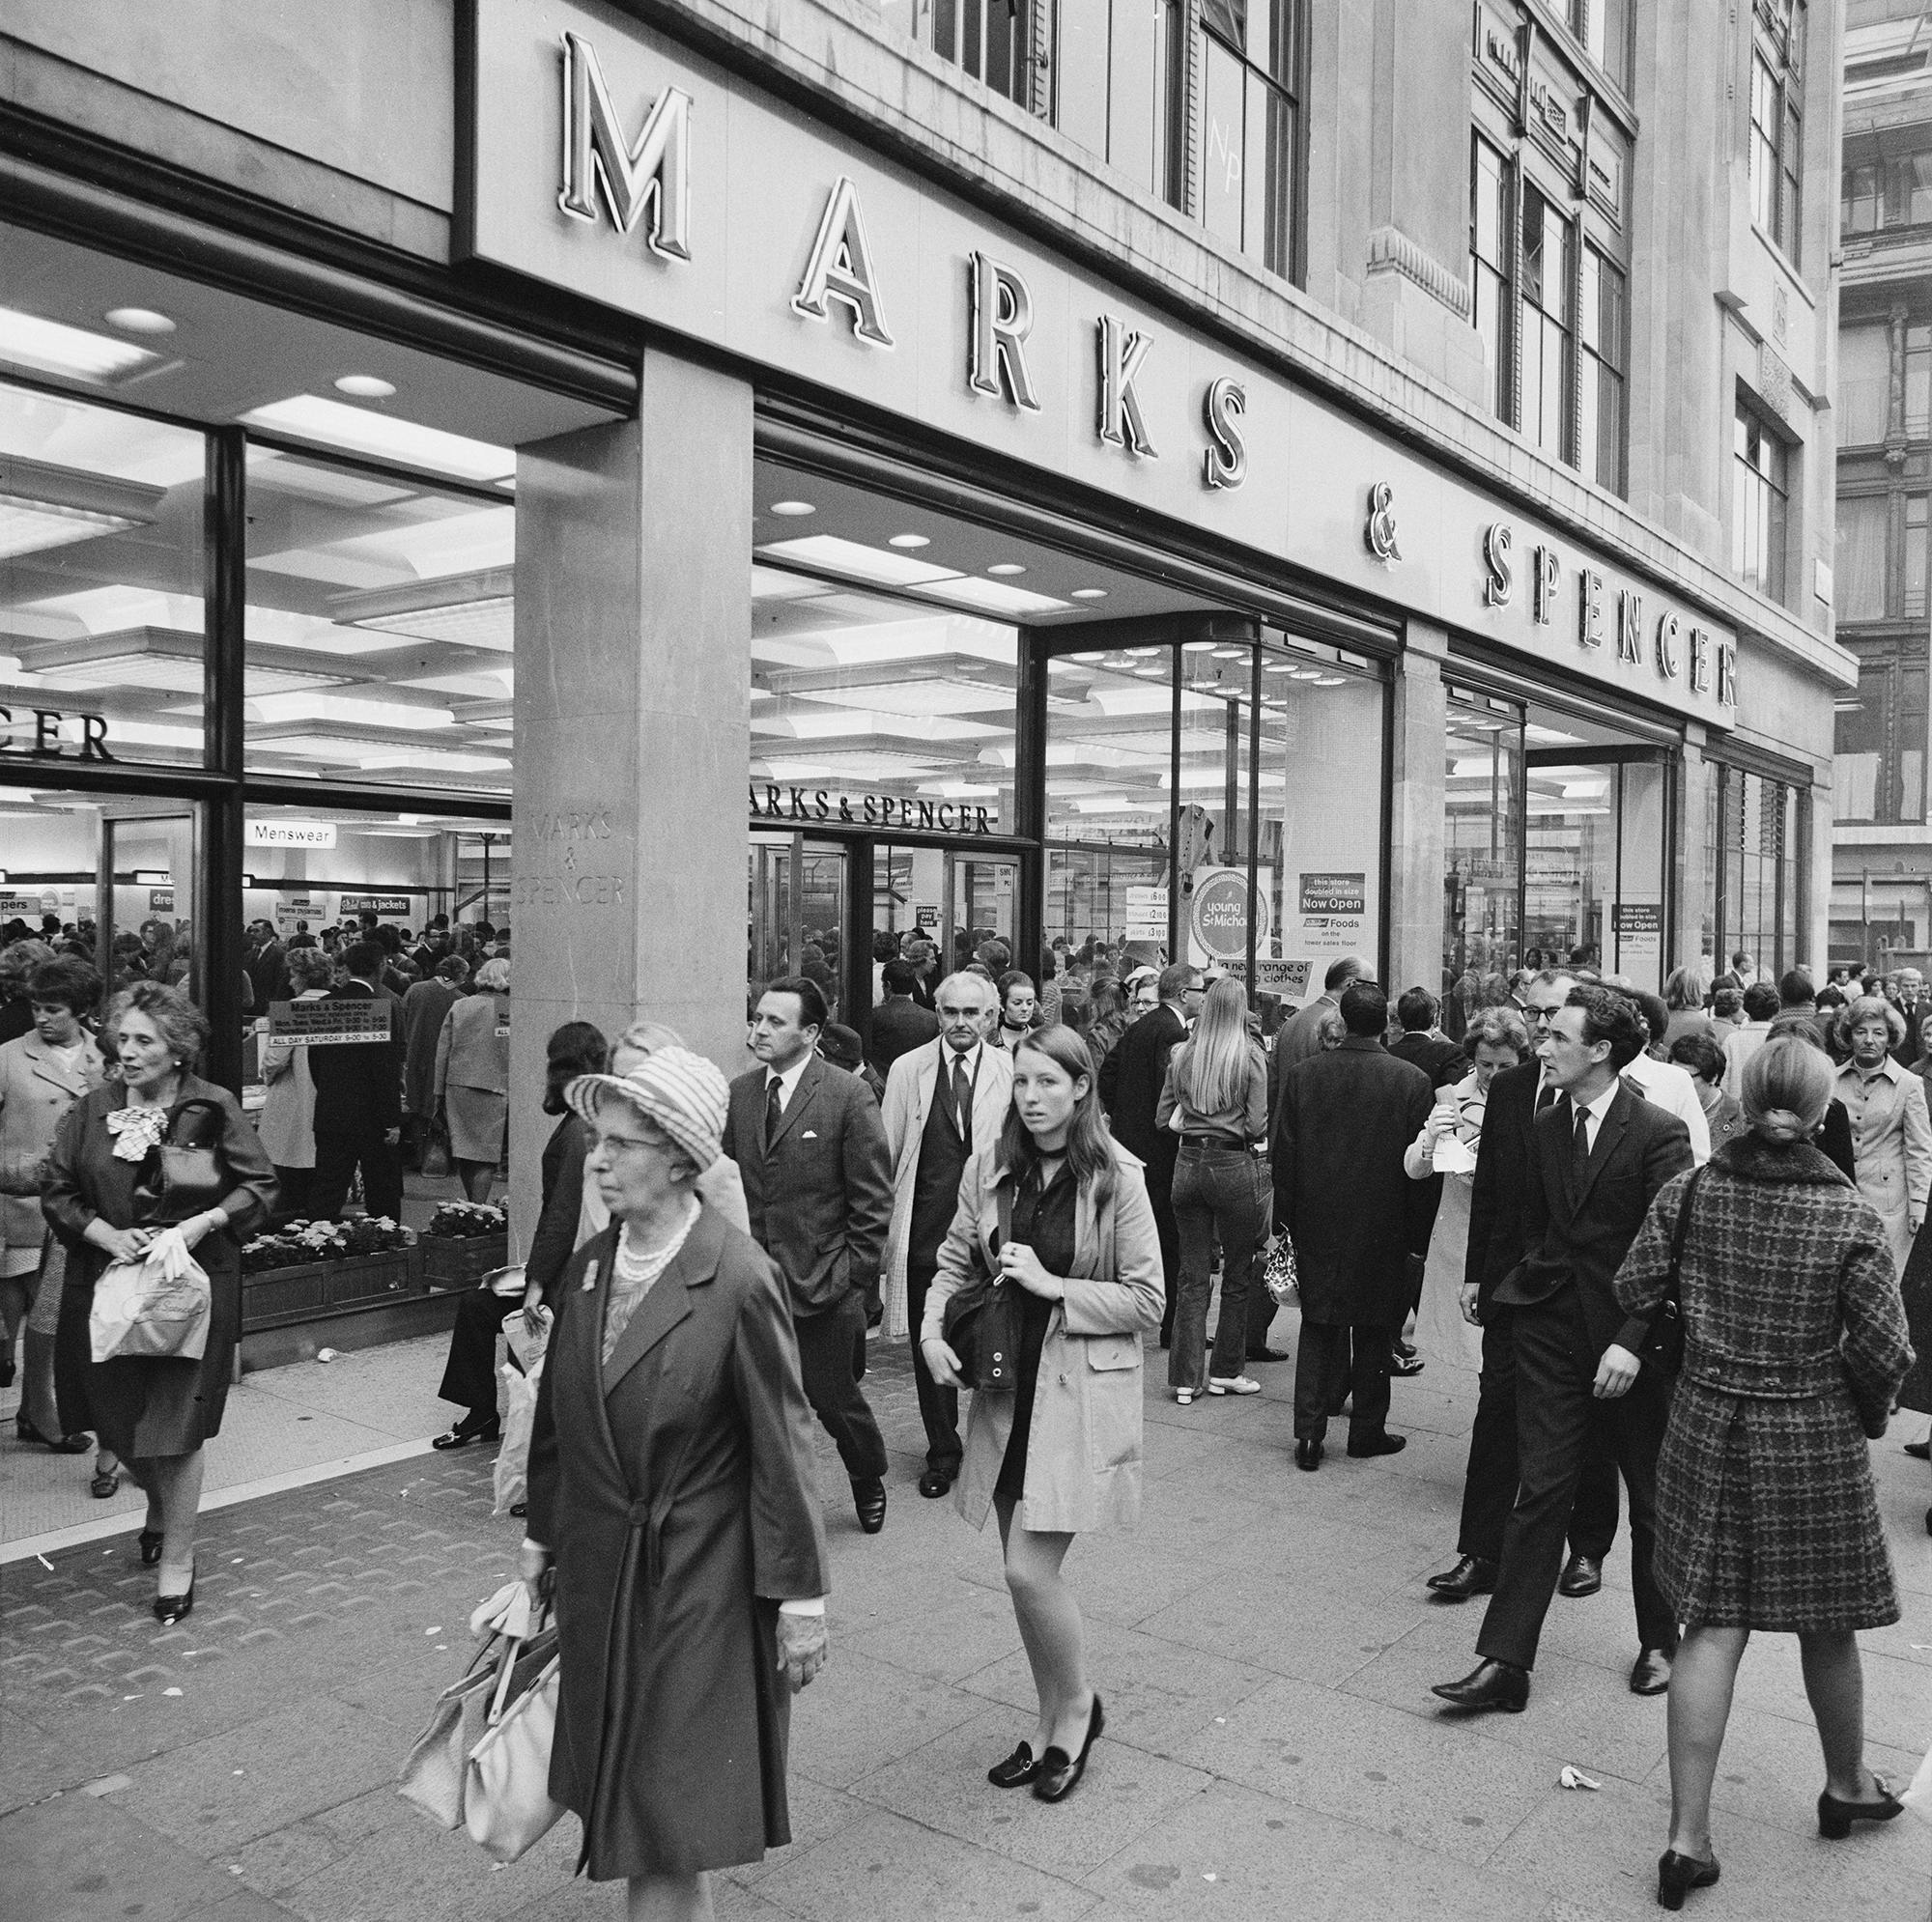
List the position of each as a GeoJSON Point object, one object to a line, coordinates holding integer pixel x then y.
{"type": "Point", "coordinates": [1795, 1346]}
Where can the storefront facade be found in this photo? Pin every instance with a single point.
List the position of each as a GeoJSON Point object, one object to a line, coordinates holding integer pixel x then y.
{"type": "Point", "coordinates": [754, 501]}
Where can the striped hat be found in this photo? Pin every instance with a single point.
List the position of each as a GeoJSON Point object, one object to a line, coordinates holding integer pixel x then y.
{"type": "Point", "coordinates": [681, 1092]}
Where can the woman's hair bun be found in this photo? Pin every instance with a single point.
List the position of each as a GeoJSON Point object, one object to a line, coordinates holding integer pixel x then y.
{"type": "Point", "coordinates": [1780, 1124]}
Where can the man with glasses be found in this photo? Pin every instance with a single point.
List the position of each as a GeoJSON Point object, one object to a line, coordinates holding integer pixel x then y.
{"type": "Point", "coordinates": [1143, 993]}
{"type": "Point", "coordinates": [945, 1100]}
{"type": "Point", "coordinates": [1131, 1079]}
{"type": "Point", "coordinates": [1498, 1197]}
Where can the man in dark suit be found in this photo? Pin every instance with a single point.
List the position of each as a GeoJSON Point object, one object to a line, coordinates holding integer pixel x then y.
{"type": "Point", "coordinates": [1420, 1044]}
{"type": "Point", "coordinates": [1130, 1083]}
{"type": "Point", "coordinates": [358, 1103]}
{"type": "Point", "coordinates": [1498, 1202]}
{"type": "Point", "coordinates": [1345, 1116]}
{"type": "Point", "coordinates": [1601, 1156]}
{"type": "Point", "coordinates": [818, 1190]}
{"type": "Point", "coordinates": [899, 1024]}
{"type": "Point", "coordinates": [267, 966]}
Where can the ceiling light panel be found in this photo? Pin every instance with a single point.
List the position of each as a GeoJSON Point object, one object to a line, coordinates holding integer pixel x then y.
{"type": "Point", "coordinates": [50, 347]}
{"type": "Point", "coordinates": [384, 437]}
{"type": "Point", "coordinates": [836, 556]}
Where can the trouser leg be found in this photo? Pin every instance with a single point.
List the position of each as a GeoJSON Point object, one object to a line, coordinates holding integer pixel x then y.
{"type": "Point", "coordinates": [1369, 1383]}
{"type": "Point", "coordinates": [938, 1405]}
{"type": "Point", "coordinates": [1490, 1481]}
{"type": "Point", "coordinates": [1316, 1359]}
{"type": "Point", "coordinates": [1238, 1221]}
{"type": "Point", "coordinates": [335, 1157]}
{"type": "Point", "coordinates": [1194, 1219]}
{"type": "Point", "coordinates": [832, 1387]}
{"type": "Point", "coordinates": [382, 1177]}
{"type": "Point", "coordinates": [1593, 1517]}
{"type": "Point", "coordinates": [470, 1375]}
{"type": "Point", "coordinates": [1160, 1197]}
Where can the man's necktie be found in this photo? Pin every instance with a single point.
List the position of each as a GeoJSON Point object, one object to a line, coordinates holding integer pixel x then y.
{"type": "Point", "coordinates": [774, 1109]}
{"type": "Point", "coordinates": [1580, 1152]}
{"type": "Point", "coordinates": [962, 1103]}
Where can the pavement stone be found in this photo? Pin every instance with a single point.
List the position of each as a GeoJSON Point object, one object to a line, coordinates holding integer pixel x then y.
{"type": "Point", "coordinates": [1264, 1644]}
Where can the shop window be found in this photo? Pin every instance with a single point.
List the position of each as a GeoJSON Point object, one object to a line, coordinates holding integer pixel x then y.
{"type": "Point", "coordinates": [1775, 148]}
{"type": "Point", "coordinates": [1878, 755]}
{"type": "Point", "coordinates": [1857, 576]}
{"type": "Point", "coordinates": [1490, 227]}
{"type": "Point", "coordinates": [1604, 26]}
{"type": "Point", "coordinates": [1756, 874]}
{"type": "Point", "coordinates": [1602, 350]}
{"type": "Point", "coordinates": [1864, 385]}
{"type": "Point", "coordinates": [1483, 848]}
{"type": "Point", "coordinates": [1895, 191]}
{"type": "Point", "coordinates": [380, 622]}
{"type": "Point", "coordinates": [1248, 125]}
{"type": "Point", "coordinates": [100, 582]}
{"type": "Point", "coordinates": [991, 40]}
{"type": "Point", "coordinates": [1760, 489]}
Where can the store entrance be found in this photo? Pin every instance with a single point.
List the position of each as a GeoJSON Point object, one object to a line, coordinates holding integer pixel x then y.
{"type": "Point", "coordinates": [836, 909]}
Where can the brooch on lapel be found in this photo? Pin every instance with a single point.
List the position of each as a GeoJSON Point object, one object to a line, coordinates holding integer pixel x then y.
{"type": "Point", "coordinates": [591, 1278]}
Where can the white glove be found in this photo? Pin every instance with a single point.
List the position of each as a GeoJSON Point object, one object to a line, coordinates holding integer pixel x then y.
{"type": "Point", "coordinates": [169, 1250]}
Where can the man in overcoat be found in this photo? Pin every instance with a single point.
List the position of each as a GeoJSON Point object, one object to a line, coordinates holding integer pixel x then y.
{"type": "Point", "coordinates": [818, 1191]}
{"type": "Point", "coordinates": [1603, 1152]}
{"type": "Point", "coordinates": [1345, 1118]}
{"type": "Point", "coordinates": [1132, 1077]}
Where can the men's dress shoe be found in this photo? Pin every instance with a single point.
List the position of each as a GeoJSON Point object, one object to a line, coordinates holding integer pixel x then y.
{"type": "Point", "coordinates": [1059, 1772]}
{"type": "Point", "coordinates": [1402, 1367]}
{"type": "Point", "coordinates": [933, 1484]}
{"type": "Point", "coordinates": [1404, 1349]}
{"type": "Point", "coordinates": [1921, 1449]}
{"type": "Point", "coordinates": [1233, 1384]}
{"type": "Point", "coordinates": [1267, 1354]}
{"type": "Point", "coordinates": [1308, 1457]}
{"type": "Point", "coordinates": [1382, 1444]}
{"type": "Point", "coordinates": [1835, 1817]}
{"type": "Point", "coordinates": [1678, 1875]}
{"type": "Point", "coordinates": [1583, 1575]}
{"type": "Point", "coordinates": [1016, 1771]}
{"type": "Point", "coordinates": [466, 1432]}
{"type": "Point", "coordinates": [1471, 1575]}
{"type": "Point", "coordinates": [1649, 1672]}
{"type": "Point", "coordinates": [869, 1499]}
{"type": "Point", "coordinates": [1489, 1686]}
{"type": "Point", "coordinates": [172, 1608]}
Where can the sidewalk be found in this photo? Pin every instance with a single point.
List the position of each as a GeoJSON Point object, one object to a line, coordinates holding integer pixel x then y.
{"type": "Point", "coordinates": [1263, 1643]}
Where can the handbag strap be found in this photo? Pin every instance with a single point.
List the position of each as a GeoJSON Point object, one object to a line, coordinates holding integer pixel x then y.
{"type": "Point", "coordinates": [1677, 1235]}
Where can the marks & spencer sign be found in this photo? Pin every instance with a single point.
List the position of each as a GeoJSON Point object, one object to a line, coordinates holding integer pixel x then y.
{"type": "Point", "coordinates": [601, 157]}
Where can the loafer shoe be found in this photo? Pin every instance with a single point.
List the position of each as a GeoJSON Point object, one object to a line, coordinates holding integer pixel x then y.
{"type": "Point", "coordinates": [1649, 1672]}
{"type": "Point", "coordinates": [1059, 1772]}
{"type": "Point", "coordinates": [1489, 1686]}
{"type": "Point", "coordinates": [1308, 1457]}
{"type": "Point", "coordinates": [1016, 1771]}
{"type": "Point", "coordinates": [1583, 1575]}
{"type": "Point", "coordinates": [1835, 1817]}
{"type": "Point", "coordinates": [1233, 1384]}
{"type": "Point", "coordinates": [869, 1498]}
{"type": "Point", "coordinates": [1470, 1576]}
{"type": "Point", "coordinates": [932, 1485]}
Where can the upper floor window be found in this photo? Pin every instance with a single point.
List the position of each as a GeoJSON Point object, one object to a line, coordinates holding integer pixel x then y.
{"type": "Point", "coordinates": [1248, 132]}
{"type": "Point", "coordinates": [1543, 411]}
{"type": "Point", "coordinates": [992, 40]}
{"type": "Point", "coordinates": [1761, 488]}
{"type": "Point", "coordinates": [1604, 26]}
{"type": "Point", "coordinates": [1602, 337]}
{"type": "Point", "coordinates": [1892, 191]}
{"type": "Point", "coordinates": [1777, 152]}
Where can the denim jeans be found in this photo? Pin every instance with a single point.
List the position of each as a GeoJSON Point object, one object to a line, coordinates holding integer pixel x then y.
{"type": "Point", "coordinates": [1216, 1191]}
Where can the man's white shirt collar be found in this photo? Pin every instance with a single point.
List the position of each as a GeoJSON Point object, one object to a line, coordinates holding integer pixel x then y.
{"type": "Point", "coordinates": [787, 1081]}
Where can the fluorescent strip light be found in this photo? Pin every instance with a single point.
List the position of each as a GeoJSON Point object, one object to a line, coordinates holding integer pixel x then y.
{"type": "Point", "coordinates": [31, 527]}
{"type": "Point", "coordinates": [489, 623]}
{"type": "Point", "coordinates": [873, 565]}
{"type": "Point", "coordinates": [363, 431]}
{"type": "Point", "coordinates": [49, 347]}
{"type": "Point", "coordinates": [311, 709]}
{"type": "Point", "coordinates": [993, 597]}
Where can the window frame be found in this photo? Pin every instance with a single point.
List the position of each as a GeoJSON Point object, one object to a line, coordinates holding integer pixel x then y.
{"type": "Point", "coordinates": [1775, 124]}
{"type": "Point", "coordinates": [1767, 499]}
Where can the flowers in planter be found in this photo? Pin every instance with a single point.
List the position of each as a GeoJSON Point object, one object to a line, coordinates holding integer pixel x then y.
{"type": "Point", "coordinates": [463, 1220]}
{"type": "Point", "coordinates": [306, 1241]}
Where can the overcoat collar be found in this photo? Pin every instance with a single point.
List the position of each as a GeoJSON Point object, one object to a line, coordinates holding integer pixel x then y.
{"type": "Point", "coordinates": [669, 1302]}
{"type": "Point", "coordinates": [46, 1067]}
{"type": "Point", "coordinates": [1760, 1161]}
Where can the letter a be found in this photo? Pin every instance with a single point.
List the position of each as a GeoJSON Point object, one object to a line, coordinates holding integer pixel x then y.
{"type": "Point", "coordinates": [841, 269]}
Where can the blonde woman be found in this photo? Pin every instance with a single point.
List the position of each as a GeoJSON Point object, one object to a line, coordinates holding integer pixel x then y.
{"type": "Point", "coordinates": [473, 1078]}
{"type": "Point", "coordinates": [1892, 1133]}
{"type": "Point", "coordinates": [1215, 1099]}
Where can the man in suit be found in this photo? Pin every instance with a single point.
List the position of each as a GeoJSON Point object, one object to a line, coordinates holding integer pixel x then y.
{"type": "Point", "coordinates": [1130, 1083]}
{"type": "Point", "coordinates": [899, 1024]}
{"type": "Point", "coordinates": [1421, 1043]}
{"type": "Point", "coordinates": [945, 1101]}
{"type": "Point", "coordinates": [1301, 1036]}
{"type": "Point", "coordinates": [267, 966]}
{"type": "Point", "coordinates": [358, 1103]}
{"type": "Point", "coordinates": [1345, 1116]}
{"type": "Point", "coordinates": [818, 1191]}
{"type": "Point", "coordinates": [1499, 1201]}
{"type": "Point", "coordinates": [1601, 1156]}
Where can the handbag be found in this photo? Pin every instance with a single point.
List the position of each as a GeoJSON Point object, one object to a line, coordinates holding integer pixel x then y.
{"type": "Point", "coordinates": [981, 1322]}
{"type": "Point", "coordinates": [190, 1173]}
{"type": "Point", "coordinates": [1662, 1348]}
{"type": "Point", "coordinates": [1280, 1276]}
{"type": "Point", "coordinates": [436, 1151]}
{"type": "Point", "coordinates": [506, 1799]}
{"type": "Point", "coordinates": [157, 1308]}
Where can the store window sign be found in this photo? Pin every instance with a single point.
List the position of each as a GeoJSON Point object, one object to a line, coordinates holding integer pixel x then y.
{"type": "Point", "coordinates": [385, 907]}
{"type": "Point", "coordinates": [674, 174]}
{"type": "Point", "coordinates": [53, 735]}
{"type": "Point", "coordinates": [291, 835]}
{"type": "Point", "coordinates": [809, 805]}
{"type": "Point", "coordinates": [1217, 914]}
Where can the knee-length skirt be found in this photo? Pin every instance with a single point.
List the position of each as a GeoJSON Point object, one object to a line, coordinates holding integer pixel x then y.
{"type": "Point", "coordinates": [476, 1121]}
{"type": "Point", "coordinates": [1767, 1517]}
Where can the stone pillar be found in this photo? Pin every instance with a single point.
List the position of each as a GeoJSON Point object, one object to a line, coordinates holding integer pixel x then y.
{"type": "Point", "coordinates": [1696, 940]}
{"type": "Point", "coordinates": [633, 692]}
{"type": "Point", "coordinates": [1416, 845]}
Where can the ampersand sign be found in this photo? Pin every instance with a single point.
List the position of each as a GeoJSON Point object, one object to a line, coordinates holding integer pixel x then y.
{"type": "Point", "coordinates": [1378, 533]}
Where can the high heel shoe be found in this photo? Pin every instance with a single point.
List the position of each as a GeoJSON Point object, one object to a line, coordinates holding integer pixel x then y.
{"type": "Point", "coordinates": [1019, 1769]}
{"type": "Point", "coordinates": [25, 1430]}
{"type": "Point", "coordinates": [172, 1608]}
{"type": "Point", "coordinates": [1678, 1875]}
{"type": "Point", "coordinates": [1059, 1775]}
{"type": "Point", "coordinates": [1835, 1817]}
{"type": "Point", "coordinates": [149, 1540]}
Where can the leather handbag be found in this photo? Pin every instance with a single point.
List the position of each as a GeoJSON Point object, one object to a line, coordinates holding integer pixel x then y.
{"type": "Point", "coordinates": [506, 1799]}
{"type": "Point", "coordinates": [1663, 1350]}
{"type": "Point", "coordinates": [435, 1162]}
{"type": "Point", "coordinates": [189, 1175]}
{"type": "Point", "coordinates": [982, 1323]}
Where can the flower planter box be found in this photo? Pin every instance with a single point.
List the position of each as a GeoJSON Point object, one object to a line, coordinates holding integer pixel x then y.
{"type": "Point", "coordinates": [278, 1297]}
{"type": "Point", "coordinates": [459, 1261]}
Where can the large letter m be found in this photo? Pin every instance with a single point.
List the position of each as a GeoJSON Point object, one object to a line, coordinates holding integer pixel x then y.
{"type": "Point", "coordinates": [654, 171]}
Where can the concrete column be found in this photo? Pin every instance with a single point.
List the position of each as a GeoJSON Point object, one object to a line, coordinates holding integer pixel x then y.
{"type": "Point", "coordinates": [633, 578]}
{"type": "Point", "coordinates": [1696, 884]}
{"type": "Point", "coordinates": [1416, 845]}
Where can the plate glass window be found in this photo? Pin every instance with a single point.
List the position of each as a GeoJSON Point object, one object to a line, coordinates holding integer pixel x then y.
{"type": "Point", "coordinates": [1760, 489]}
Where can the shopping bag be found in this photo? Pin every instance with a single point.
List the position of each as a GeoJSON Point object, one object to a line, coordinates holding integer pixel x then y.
{"type": "Point", "coordinates": [157, 1307]}
{"type": "Point", "coordinates": [520, 1415]}
{"type": "Point", "coordinates": [506, 1799]}
{"type": "Point", "coordinates": [1279, 1274]}
{"type": "Point", "coordinates": [1918, 1797]}
{"type": "Point", "coordinates": [436, 1161]}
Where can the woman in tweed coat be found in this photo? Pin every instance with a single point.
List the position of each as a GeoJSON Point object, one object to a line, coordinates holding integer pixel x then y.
{"type": "Point", "coordinates": [1795, 1346]}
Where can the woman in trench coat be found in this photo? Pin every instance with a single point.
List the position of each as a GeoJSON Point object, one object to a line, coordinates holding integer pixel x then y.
{"type": "Point", "coordinates": [672, 1497]}
{"type": "Point", "coordinates": [1057, 1207]}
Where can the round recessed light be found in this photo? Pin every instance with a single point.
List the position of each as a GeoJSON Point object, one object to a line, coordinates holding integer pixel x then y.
{"type": "Point", "coordinates": [1005, 567]}
{"type": "Point", "coordinates": [1196, 647]}
{"type": "Point", "coordinates": [1090, 593]}
{"type": "Point", "coordinates": [365, 386]}
{"type": "Point", "coordinates": [138, 320]}
{"type": "Point", "coordinates": [899, 539]}
{"type": "Point", "coordinates": [793, 510]}
{"type": "Point", "coordinates": [1149, 671]}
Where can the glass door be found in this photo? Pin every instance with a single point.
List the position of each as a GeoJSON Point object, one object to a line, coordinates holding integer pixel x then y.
{"type": "Point", "coordinates": [981, 896]}
{"type": "Point", "coordinates": [795, 914]}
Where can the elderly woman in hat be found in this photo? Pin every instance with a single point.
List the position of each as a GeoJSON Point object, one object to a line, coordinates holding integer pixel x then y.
{"type": "Point", "coordinates": [672, 1498]}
